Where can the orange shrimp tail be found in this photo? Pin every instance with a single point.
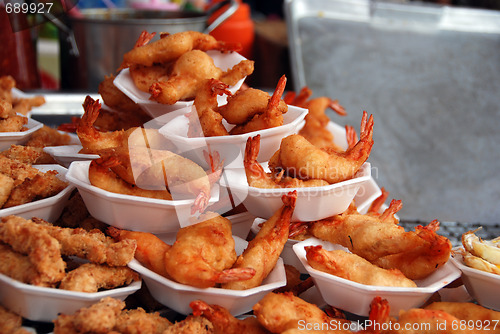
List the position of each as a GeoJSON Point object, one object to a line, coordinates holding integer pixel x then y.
{"type": "Point", "coordinates": [379, 313]}
{"type": "Point", "coordinates": [252, 150]}
{"type": "Point", "coordinates": [155, 90]}
{"type": "Point", "coordinates": [298, 228]}
{"type": "Point", "coordinates": [225, 47]}
{"type": "Point", "coordinates": [144, 38]}
{"type": "Point", "coordinates": [363, 147]}
{"type": "Point", "coordinates": [313, 253]}
{"type": "Point", "coordinates": [289, 201]}
{"type": "Point", "coordinates": [216, 166]}
{"type": "Point", "coordinates": [394, 207]}
{"type": "Point", "coordinates": [289, 97]}
{"type": "Point", "coordinates": [200, 202]}
{"type": "Point", "coordinates": [351, 136]}
{"type": "Point", "coordinates": [91, 109]}
{"type": "Point", "coordinates": [300, 99]}
{"type": "Point", "coordinates": [337, 107]}
{"type": "Point", "coordinates": [235, 274]}
{"type": "Point", "coordinates": [379, 201]}
{"type": "Point", "coordinates": [199, 308]}
{"type": "Point", "coordinates": [107, 162]}
{"type": "Point", "coordinates": [114, 232]}
{"type": "Point", "coordinates": [217, 87]}
{"type": "Point", "coordinates": [278, 92]}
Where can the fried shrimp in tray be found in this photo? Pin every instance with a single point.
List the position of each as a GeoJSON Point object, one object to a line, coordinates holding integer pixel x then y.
{"type": "Point", "coordinates": [263, 251]}
{"type": "Point", "coordinates": [377, 239]}
{"type": "Point", "coordinates": [298, 157]}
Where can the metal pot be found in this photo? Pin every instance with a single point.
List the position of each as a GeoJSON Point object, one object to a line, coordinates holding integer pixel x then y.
{"type": "Point", "coordinates": [92, 46]}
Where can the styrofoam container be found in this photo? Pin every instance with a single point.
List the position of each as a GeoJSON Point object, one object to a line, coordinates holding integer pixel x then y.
{"type": "Point", "coordinates": [313, 203]}
{"type": "Point", "coordinates": [124, 82]}
{"type": "Point", "coordinates": [132, 212]}
{"type": "Point", "coordinates": [484, 287]}
{"type": "Point", "coordinates": [177, 296]}
{"type": "Point", "coordinates": [355, 298]}
{"type": "Point", "coordinates": [18, 138]}
{"type": "Point", "coordinates": [44, 304]}
{"type": "Point", "coordinates": [288, 254]}
{"type": "Point", "coordinates": [49, 208]}
{"type": "Point", "coordinates": [66, 154]}
{"type": "Point", "coordinates": [241, 224]}
{"type": "Point", "coordinates": [366, 194]}
{"type": "Point", "coordinates": [232, 148]}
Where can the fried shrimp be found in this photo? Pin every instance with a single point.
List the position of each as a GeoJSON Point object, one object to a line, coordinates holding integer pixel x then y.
{"type": "Point", "coordinates": [90, 277]}
{"type": "Point", "coordinates": [300, 158]}
{"type": "Point", "coordinates": [271, 117]}
{"type": "Point", "coordinates": [257, 177]}
{"type": "Point", "coordinates": [284, 312]}
{"type": "Point", "coordinates": [203, 254]}
{"type": "Point", "coordinates": [263, 251]}
{"type": "Point", "coordinates": [416, 254]}
{"type": "Point", "coordinates": [188, 74]}
{"type": "Point", "coordinates": [172, 46]}
{"type": "Point", "coordinates": [92, 139]}
{"type": "Point", "coordinates": [354, 268]}
{"type": "Point", "coordinates": [224, 322]}
{"type": "Point", "coordinates": [102, 177]}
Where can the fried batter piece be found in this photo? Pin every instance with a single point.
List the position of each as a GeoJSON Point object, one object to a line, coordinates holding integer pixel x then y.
{"type": "Point", "coordinates": [90, 277]}
{"type": "Point", "coordinates": [19, 267]}
{"type": "Point", "coordinates": [93, 245]}
{"type": "Point", "coordinates": [354, 268]}
{"type": "Point", "coordinates": [191, 325]}
{"type": "Point", "coordinates": [17, 170]}
{"type": "Point", "coordinates": [11, 323]}
{"type": "Point", "coordinates": [43, 250]}
{"type": "Point", "coordinates": [6, 186]}
{"type": "Point", "coordinates": [469, 311]}
{"type": "Point", "coordinates": [263, 251]}
{"type": "Point", "coordinates": [224, 322]}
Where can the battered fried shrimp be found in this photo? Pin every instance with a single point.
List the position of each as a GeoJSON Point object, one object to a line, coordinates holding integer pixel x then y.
{"type": "Point", "coordinates": [19, 267]}
{"type": "Point", "coordinates": [172, 46]}
{"type": "Point", "coordinates": [11, 323]}
{"type": "Point", "coordinates": [263, 251]}
{"type": "Point", "coordinates": [150, 249]}
{"type": "Point", "coordinates": [158, 170]}
{"type": "Point", "coordinates": [145, 76]}
{"type": "Point", "coordinates": [203, 254]}
{"type": "Point", "coordinates": [92, 139]}
{"type": "Point", "coordinates": [224, 322]}
{"type": "Point", "coordinates": [188, 74]}
{"type": "Point", "coordinates": [416, 253]}
{"type": "Point", "coordinates": [93, 245]}
{"type": "Point", "coordinates": [97, 318]}
{"type": "Point", "coordinates": [43, 250]}
{"type": "Point", "coordinates": [354, 268]}
{"type": "Point", "coordinates": [102, 177]}
{"type": "Point", "coordinates": [300, 158]}
{"type": "Point", "coordinates": [271, 117]}
{"type": "Point", "coordinates": [90, 277]}
{"type": "Point", "coordinates": [207, 121]}
{"type": "Point", "coordinates": [468, 312]}
{"type": "Point", "coordinates": [279, 312]}
{"type": "Point", "coordinates": [40, 186]}
{"type": "Point", "coordinates": [138, 321]}
{"type": "Point", "coordinates": [257, 176]}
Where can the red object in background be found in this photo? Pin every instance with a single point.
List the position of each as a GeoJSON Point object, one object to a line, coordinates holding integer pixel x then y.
{"type": "Point", "coordinates": [17, 51]}
{"type": "Point", "coordinates": [238, 28]}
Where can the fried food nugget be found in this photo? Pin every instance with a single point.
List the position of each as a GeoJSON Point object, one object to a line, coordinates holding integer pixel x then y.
{"type": "Point", "coordinates": [90, 277]}
{"type": "Point", "coordinates": [6, 186]}
{"type": "Point", "coordinates": [98, 318]}
{"type": "Point", "coordinates": [40, 186]}
{"type": "Point", "coordinates": [13, 123]}
{"type": "Point", "coordinates": [191, 325]}
{"type": "Point", "coordinates": [138, 321]}
{"type": "Point", "coordinates": [43, 250]}
{"type": "Point", "coordinates": [11, 323]}
{"type": "Point", "coordinates": [263, 251]}
{"type": "Point", "coordinates": [354, 268]}
{"type": "Point", "coordinates": [17, 170]}
{"type": "Point", "coordinates": [92, 245]}
{"type": "Point", "coordinates": [19, 267]}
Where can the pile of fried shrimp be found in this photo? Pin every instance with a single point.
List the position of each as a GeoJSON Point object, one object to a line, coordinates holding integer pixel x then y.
{"type": "Point", "coordinates": [79, 253]}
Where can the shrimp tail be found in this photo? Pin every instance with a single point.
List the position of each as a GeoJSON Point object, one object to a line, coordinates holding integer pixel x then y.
{"type": "Point", "coordinates": [200, 202]}
{"type": "Point", "coordinates": [363, 147]}
{"type": "Point", "coordinates": [394, 207]}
